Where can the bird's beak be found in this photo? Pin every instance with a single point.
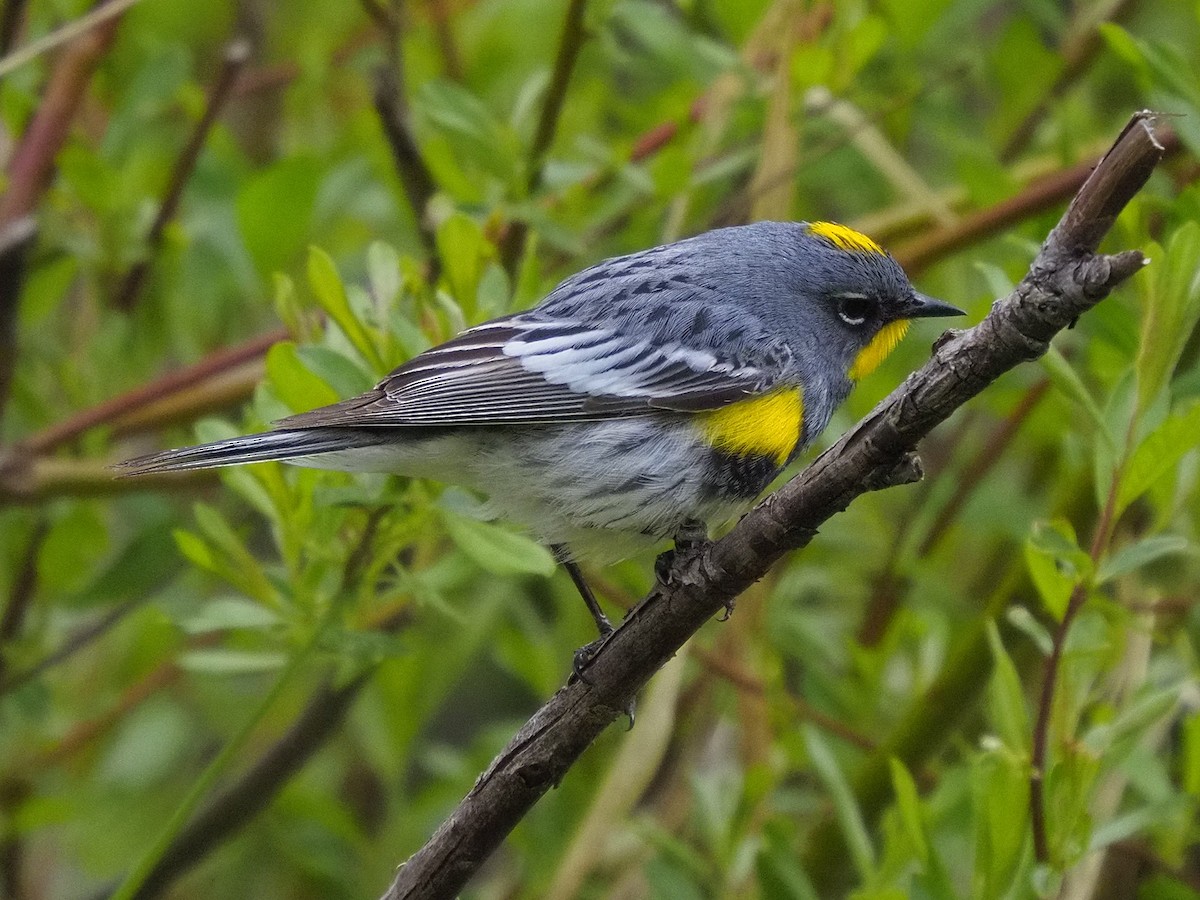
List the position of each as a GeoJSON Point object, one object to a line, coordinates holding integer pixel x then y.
{"type": "Point", "coordinates": [919, 306]}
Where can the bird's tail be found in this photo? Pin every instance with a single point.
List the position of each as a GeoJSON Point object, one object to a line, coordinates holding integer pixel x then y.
{"type": "Point", "coordinates": [270, 445]}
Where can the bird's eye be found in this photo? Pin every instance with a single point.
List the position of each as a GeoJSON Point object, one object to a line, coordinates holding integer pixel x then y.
{"type": "Point", "coordinates": [854, 309]}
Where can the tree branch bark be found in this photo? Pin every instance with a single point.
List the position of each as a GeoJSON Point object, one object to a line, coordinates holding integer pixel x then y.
{"type": "Point", "coordinates": [1065, 280]}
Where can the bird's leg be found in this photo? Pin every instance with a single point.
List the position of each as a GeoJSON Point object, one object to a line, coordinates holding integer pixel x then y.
{"type": "Point", "coordinates": [563, 555]}
{"type": "Point", "coordinates": [587, 652]}
{"type": "Point", "coordinates": [690, 536]}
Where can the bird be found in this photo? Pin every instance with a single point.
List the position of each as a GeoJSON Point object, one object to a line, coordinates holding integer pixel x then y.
{"type": "Point", "coordinates": [645, 397]}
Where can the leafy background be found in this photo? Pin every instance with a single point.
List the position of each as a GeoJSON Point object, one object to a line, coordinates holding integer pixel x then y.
{"type": "Point", "coordinates": [276, 682]}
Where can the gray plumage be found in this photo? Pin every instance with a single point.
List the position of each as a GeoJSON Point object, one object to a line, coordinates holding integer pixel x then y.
{"type": "Point", "coordinates": [579, 415]}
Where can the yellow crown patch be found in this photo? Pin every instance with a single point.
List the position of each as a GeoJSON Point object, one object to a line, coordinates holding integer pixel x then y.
{"type": "Point", "coordinates": [870, 356]}
{"type": "Point", "coordinates": [844, 238]}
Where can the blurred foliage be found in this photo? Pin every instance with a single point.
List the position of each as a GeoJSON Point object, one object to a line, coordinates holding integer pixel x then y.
{"type": "Point", "coordinates": [862, 724]}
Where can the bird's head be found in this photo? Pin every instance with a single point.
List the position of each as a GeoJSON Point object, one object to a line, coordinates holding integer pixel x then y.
{"type": "Point", "coordinates": [852, 296]}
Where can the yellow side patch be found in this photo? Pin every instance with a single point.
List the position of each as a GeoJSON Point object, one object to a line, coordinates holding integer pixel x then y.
{"type": "Point", "coordinates": [845, 238]}
{"type": "Point", "coordinates": [761, 426]}
{"type": "Point", "coordinates": [870, 356]}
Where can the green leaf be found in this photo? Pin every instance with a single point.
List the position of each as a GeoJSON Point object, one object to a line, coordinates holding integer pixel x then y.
{"type": "Point", "coordinates": [1171, 303]}
{"type": "Point", "coordinates": [296, 386]}
{"type": "Point", "coordinates": [1056, 563]}
{"type": "Point", "coordinates": [849, 816]}
{"type": "Point", "coordinates": [1065, 379]}
{"type": "Point", "coordinates": [1006, 697]}
{"type": "Point", "coordinates": [345, 375]}
{"type": "Point", "coordinates": [1000, 797]}
{"type": "Point", "coordinates": [219, 661]}
{"type": "Point", "coordinates": [383, 273]}
{"type": "Point", "coordinates": [908, 802]}
{"type": "Point", "coordinates": [464, 252]}
{"type": "Point", "coordinates": [1158, 454]}
{"type": "Point", "coordinates": [230, 612]}
{"type": "Point", "coordinates": [1190, 763]}
{"type": "Point", "coordinates": [1135, 556]}
{"type": "Point", "coordinates": [330, 292]}
{"type": "Point", "coordinates": [496, 549]}
{"type": "Point", "coordinates": [275, 211]}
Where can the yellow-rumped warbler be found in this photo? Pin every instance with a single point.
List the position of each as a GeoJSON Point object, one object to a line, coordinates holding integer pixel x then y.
{"type": "Point", "coordinates": [649, 391]}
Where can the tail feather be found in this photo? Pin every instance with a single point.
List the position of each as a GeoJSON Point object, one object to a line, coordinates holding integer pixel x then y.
{"type": "Point", "coordinates": [270, 445]}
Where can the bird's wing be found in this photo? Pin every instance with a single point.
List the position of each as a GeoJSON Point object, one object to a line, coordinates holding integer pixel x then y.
{"type": "Point", "coordinates": [529, 369]}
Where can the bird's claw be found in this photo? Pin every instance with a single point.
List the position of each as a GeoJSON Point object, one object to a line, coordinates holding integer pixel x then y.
{"type": "Point", "coordinates": [584, 655]}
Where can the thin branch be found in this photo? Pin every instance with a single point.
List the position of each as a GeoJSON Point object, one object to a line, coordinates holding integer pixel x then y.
{"type": "Point", "coordinates": [1043, 194]}
{"type": "Point", "coordinates": [444, 31]}
{"type": "Point", "coordinates": [1065, 280]}
{"type": "Point", "coordinates": [32, 481]}
{"type": "Point", "coordinates": [10, 23]}
{"type": "Point", "coordinates": [105, 14]}
{"type": "Point", "coordinates": [570, 42]}
{"type": "Point", "coordinates": [1041, 727]}
{"type": "Point", "coordinates": [237, 54]}
{"type": "Point", "coordinates": [78, 641]}
{"type": "Point", "coordinates": [415, 177]}
{"type": "Point", "coordinates": [22, 590]}
{"type": "Point", "coordinates": [888, 585]}
{"type": "Point", "coordinates": [250, 794]}
{"type": "Point", "coordinates": [391, 104]}
{"type": "Point", "coordinates": [124, 404]}
{"type": "Point", "coordinates": [32, 165]}
{"type": "Point", "coordinates": [15, 240]}
{"type": "Point", "coordinates": [1079, 50]}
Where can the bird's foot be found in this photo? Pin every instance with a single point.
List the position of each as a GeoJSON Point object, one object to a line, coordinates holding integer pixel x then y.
{"type": "Point", "coordinates": [690, 538]}
{"type": "Point", "coordinates": [588, 652]}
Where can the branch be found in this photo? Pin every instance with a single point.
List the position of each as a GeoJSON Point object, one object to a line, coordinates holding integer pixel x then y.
{"type": "Point", "coordinates": [237, 54]}
{"type": "Point", "coordinates": [32, 165]}
{"type": "Point", "coordinates": [1081, 47]}
{"type": "Point", "coordinates": [1043, 194]}
{"type": "Point", "coordinates": [415, 177]}
{"type": "Point", "coordinates": [1064, 281]}
{"type": "Point", "coordinates": [250, 794]}
{"type": "Point", "coordinates": [15, 241]}
{"type": "Point", "coordinates": [570, 42]}
{"type": "Point", "coordinates": [173, 382]}
{"type": "Point", "coordinates": [103, 13]}
{"type": "Point", "coordinates": [22, 590]}
{"type": "Point", "coordinates": [11, 20]}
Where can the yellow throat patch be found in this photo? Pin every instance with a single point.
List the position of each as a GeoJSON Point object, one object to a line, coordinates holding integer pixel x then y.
{"type": "Point", "coordinates": [870, 356]}
{"type": "Point", "coordinates": [845, 238]}
{"type": "Point", "coordinates": [768, 425]}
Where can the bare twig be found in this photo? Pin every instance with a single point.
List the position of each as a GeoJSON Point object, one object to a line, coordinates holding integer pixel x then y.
{"type": "Point", "coordinates": [123, 404]}
{"type": "Point", "coordinates": [10, 22]}
{"type": "Point", "coordinates": [237, 53]}
{"type": "Point", "coordinates": [22, 590]}
{"type": "Point", "coordinates": [1079, 50]}
{"type": "Point", "coordinates": [32, 165]}
{"type": "Point", "coordinates": [1043, 194]}
{"type": "Point", "coordinates": [444, 31]}
{"type": "Point", "coordinates": [570, 42]}
{"type": "Point", "coordinates": [1041, 727]}
{"type": "Point", "coordinates": [15, 241]}
{"type": "Point", "coordinates": [242, 800]}
{"type": "Point", "coordinates": [76, 642]}
{"type": "Point", "coordinates": [103, 17]}
{"type": "Point", "coordinates": [1065, 280]}
{"type": "Point", "coordinates": [415, 177]}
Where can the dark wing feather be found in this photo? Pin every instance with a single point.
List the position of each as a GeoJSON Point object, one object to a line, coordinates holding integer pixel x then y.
{"type": "Point", "coordinates": [527, 369]}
